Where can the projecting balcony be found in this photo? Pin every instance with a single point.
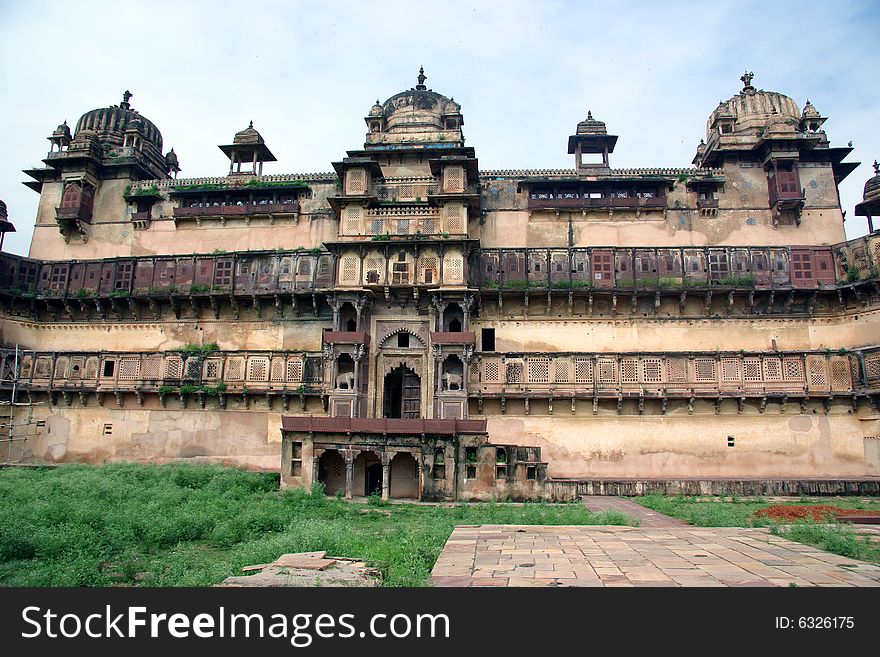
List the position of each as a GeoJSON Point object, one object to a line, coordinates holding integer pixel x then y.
{"type": "Point", "coordinates": [346, 337]}
{"type": "Point", "coordinates": [562, 202]}
{"type": "Point", "coordinates": [453, 337]}
{"type": "Point", "coordinates": [246, 211]}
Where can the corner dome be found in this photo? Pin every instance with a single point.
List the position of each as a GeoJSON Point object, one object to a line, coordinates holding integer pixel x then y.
{"type": "Point", "coordinates": [248, 136]}
{"type": "Point", "coordinates": [872, 187]}
{"type": "Point", "coordinates": [109, 124]}
{"type": "Point", "coordinates": [752, 109]}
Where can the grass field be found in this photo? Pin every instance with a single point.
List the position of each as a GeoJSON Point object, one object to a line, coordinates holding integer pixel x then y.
{"type": "Point", "coordinates": [194, 525]}
{"type": "Point", "coordinates": [839, 538]}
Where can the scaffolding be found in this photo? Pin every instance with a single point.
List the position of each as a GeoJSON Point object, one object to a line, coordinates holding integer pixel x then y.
{"type": "Point", "coordinates": [17, 422]}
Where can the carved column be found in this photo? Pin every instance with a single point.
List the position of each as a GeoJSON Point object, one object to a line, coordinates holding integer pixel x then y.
{"type": "Point", "coordinates": [334, 306]}
{"type": "Point", "coordinates": [360, 305]}
{"type": "Point", "coordinates": [467, 305]}
{"type": "Point", "coordinates": [438, 366]}
{"type": "Point", "coordinates": [467, 354]}
{"type": "Point", "coordinates": [349, 456]}
{"type": "Point", "coordinates": [439, 306]}
{"type": "Point", "coordinates": [386, 475]}
{"type": "Point", "coordinates": [330, 354]}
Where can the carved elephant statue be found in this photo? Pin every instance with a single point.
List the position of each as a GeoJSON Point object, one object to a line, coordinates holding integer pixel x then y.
{"type": "Point", "coordinates": [345, 381]}
{"type": "Point", "coordinates": [452, 380]}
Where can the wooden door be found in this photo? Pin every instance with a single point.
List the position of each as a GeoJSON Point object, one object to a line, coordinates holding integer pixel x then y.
{"type": "Point", "coordinates": [412, 395]}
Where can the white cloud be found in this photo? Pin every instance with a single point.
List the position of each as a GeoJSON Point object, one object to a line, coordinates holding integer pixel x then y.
{"type": "Point", "coordinates": [525, 73]}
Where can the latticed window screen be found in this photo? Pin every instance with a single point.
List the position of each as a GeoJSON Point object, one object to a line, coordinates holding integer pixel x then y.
{"type": "Point", "coordinates": [454, 216]}
{"type": "Point", "coordinates": [792, 369]}
{"type": "Point", "coordinates": [840, 376]}
{"type": "Point", "coordinates": [652, 370]}
{"type": "Point", "coordinates": [629, 370]}
{"type": "Point", "coordinates": [374, 270]}
{"type": "Point", "coordinates": [61, 368]}
{"type": "Point", "coordinates": [676, 370]}
{"type": "Point", "coordinates": [730, 370]}
{"type": "Point", "coordinates": [817, 372]}
{"type": "Point", "coordinates": [44, 367]}
{"type": "Point", "coordinates": [773, 369]}
{"type": "Point", "coordinates": [583, 370]}
{"type": "Point", "coordinates": [348, 274]}
{"type": "Point", "coordinates": [514, 373]}
{"type": "Point", "coordinates": [429, 225]}
{"type": "Point", "coordinates": [276, 374]}
{"type": "Point", "coordinates": [491, 371]}
{"type": "Point", "coordinates": [91, 368]}
{"type": "Point", "coordinates": [129, 368]}
{"type": "Point", "coordinates": [872, 367]}
{"type": "Point", "coordinates": [474, 371]}
{"type": "Point", "coordinates": [258, 369]}
{"type": "Point", "coordinates": [562, 370]}
{"type": "Point", "coordinates": [314, 369]}
{"type": "Point", "coordinates": [212, 369]}
{"type": "Point", "coordinates": [193, 368]}
{"type": "Point", "coordinates": [77, 363]}
{"type": "Point", "coordinates": [752, 370]}
{"type": "Point", "coordinates": [428, 269]}
{"type": "Point", "coordinates": [704, 370]}
{"type": "Point", "coordinates": [150, 367]}
{"type": "Point", "coordinates": [294, 370]}
{"type": "Point", "coordinates": [453, 179]}
{"type": "Point", "coordinates": [453, 269]}
{"type": "Point", "coordinates": [351, 221]}
{"type": "Point", "coordinates": [235, 369]}
{"type": "Point", "coordinates": [355, 181]}
{"type": "Point", "coordinates": [173, 367]}
{"type": "Point", "coordinates": [607, 371]}
{"type": "Point", "coordinates": [539, 370]}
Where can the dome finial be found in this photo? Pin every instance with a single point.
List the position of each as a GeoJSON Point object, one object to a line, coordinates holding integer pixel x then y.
{"type": "Point", "coordinates": [876, 168]}
{"type": "Point", "coordinates": [589, 115]}
{"type": "Point", "coordinates": [422, 77]}
{"type": "Point", "coordinates": [251, 125]}
{"type": "Point", "coordinates": [125, 96]}
{"type": "Point", "coordinates": [747, 81]}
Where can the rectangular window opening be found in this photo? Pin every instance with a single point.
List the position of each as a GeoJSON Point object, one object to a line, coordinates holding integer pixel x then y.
{"type": "Point", "coordinates": [488, 335]}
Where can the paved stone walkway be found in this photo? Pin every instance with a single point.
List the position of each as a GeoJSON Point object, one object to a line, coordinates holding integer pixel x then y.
{"type": "Point", "coordinates": [523, 555]}
{"type": "Point", "coordinates": [646, 516]}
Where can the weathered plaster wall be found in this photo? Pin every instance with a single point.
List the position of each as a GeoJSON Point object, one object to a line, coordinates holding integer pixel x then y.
{"type": "Point", "coordinates": [679, 445]}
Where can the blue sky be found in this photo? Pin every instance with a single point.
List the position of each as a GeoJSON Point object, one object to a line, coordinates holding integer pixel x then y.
{"type": "Point", "coordinates": [525, 73]}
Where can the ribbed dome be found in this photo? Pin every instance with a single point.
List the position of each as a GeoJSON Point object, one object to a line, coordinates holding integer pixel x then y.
{"type": "Point", "coordinates": [248, 136]}
{"type": "Point", "coordinates": [872, 187]}
{"type": "Point", "coordinates": [109, 124]}
{"type": "Point", "coordinates": [417, 108]}
{"type": "Point", "coordinates": [810, 112]}
{"type": "Point", "coordinates": [590, 126]}
{"type": "Point", "coordinates": [752, 108]}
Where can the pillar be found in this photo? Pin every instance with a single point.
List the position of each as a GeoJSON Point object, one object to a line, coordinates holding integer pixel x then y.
{"type": "Point", "coordinates": [386, 475]}
{"type": "Point", "coordinates": [316, 472]}
{"type": "Point", "coordinates": [349, 456]}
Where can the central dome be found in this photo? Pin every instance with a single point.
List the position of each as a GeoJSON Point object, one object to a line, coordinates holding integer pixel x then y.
{"type": "Point", "coordinates": [417, 115]}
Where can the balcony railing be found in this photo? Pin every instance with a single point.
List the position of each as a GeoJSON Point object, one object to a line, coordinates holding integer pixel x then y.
{"type": "Point", "coordinates": [677, 374]}
{"type": "Point", "coordinates": [235, 210]}
{"type": "Point", "coordinates": [208, 373]}
{"type": "Point", "coordinates": [561, 201]}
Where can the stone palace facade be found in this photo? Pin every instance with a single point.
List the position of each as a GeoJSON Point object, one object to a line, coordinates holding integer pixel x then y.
{"type": "Point", "coordinates": [411, 325]}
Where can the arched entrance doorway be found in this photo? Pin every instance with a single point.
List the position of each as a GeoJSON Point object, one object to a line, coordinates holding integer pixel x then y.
{"type": "Point", "coordinates": [367, 474]}
{"type": "Point", "coordinates": [402, 393]}
{"type": "Point", "coordinates": [404, 476]}
{"type": "Point", "coordinates": [331, 472]}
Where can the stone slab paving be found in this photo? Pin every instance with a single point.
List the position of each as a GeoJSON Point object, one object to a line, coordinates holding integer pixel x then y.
{"type": "Point", "coordinates": [526, 555]}
{"type": "Point", "coordinates": [646, 516]}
